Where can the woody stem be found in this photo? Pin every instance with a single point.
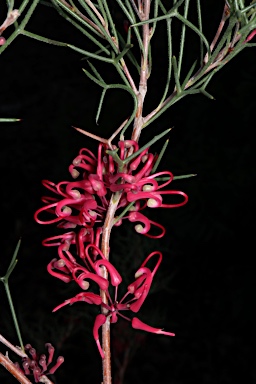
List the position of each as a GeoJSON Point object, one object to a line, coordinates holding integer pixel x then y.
{"type": "Point", "coordinates": [108, 224]}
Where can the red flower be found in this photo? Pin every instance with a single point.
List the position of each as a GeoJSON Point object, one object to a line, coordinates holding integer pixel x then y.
{"type": "Point", "coordinates": [132, 301]}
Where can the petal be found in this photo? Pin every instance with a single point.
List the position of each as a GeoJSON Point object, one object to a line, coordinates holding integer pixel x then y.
{"type": "Point", "coordinates": [81, 279]}
{"type": "Point", "coordinates": [60, 360]}
{"type": "Point", "coordinates": [47, 209]}
{"type": "Point", "coordinates": [88, 297]}
{"type": "Point", "coordinates": [135, 163]}
{"type": "Point", "coordinates": [160, 257]}
{"type": "Point", "coordinates": [65, 237]}
{"type": "Point", "coordinates": [180, 193]}
{"type": "Point", "coordinates": [61, 276]}
{"type": "Point", "coordinates": [53, 187]}
{"type": "Point", "coordinates": [97, 185]}
{"type": "Point", "coordinates": [51, 350]}
{"type": "Point", "coordinates": [138, 324]}
{"type": "Point", "coordinates": [134, 286]}
{"type": "Point", "coordinates": [141, 293]}
{"type": "Point", "coordinates": [145, 196]}
{"type": "Point", "coordinates": [136, 305]}
{"type": "Point", "coordinates": [115, 277]}
{"type": "Point", "coordinates": [99, 321]}
{"type": "Point", "coordinates": [162, 174]}
{"type": "Point", "coordinates": [137, 216]}
{"type": "Point", "coordinates": [147, 167]}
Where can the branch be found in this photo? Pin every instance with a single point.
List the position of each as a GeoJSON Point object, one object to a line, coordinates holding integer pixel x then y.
{"type": "Point", "coordinates": [11, 367]}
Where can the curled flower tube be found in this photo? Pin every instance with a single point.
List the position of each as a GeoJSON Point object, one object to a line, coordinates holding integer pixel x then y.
{"type": "Point", "coordinates": [127, 144]}
{"type": "Point", "coordinates": [115, 277]}
{"type": "Point", "coordinates": [64, 219]}
{"type": "Point", "coordinates": [147, 167]}
{"type": "Point", "coordinates": [65, 206]}
{"type": "Point", "coordinates": [145, 228]}
{"type": "Point", "coordinates": [140, 159]}
{"type": "Point", "coordinates": [154, 199]}
{"type": "Point", "coordinates": [83, 162]}
{"type": "Point", "coordinates": [46, 209]}
{"type": "Point", "coordinates": [64, 277]}
{"type": "Point", "coordinates": [85, 235]}
{"type": "Point", "coordinates": [68, 237]}
{"type": "Point", "coordinates": [97, 185]}
{"type": "Point", "coordinates": [68, 258]}
{"type": "Point", "coordinates": [56, 188]}
{"type": "Point", "coordinates": [87, 212]}
{"type": "Point", "coordinates": [152, 254]}
{"type": "Point", "coordinates": [99, 321]}
{"type": "Point", "coordinates": [81, 279]}
{"type": "Point", "coordinates": [105, 165]}
{"type": "Point", "coordinates": [95, 250]}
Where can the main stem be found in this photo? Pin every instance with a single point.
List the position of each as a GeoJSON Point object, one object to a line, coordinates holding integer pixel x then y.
{"type": "Point", "coordinates": [108, 224]}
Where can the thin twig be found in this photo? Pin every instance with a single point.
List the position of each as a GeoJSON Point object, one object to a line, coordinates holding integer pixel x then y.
{"type": "Point", "coordinates": [225, 16]}
{"type": "Point", "coordinates": [17, 350]}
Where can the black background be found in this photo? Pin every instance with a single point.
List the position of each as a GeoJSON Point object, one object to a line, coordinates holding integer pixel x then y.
{"type": "Point", "coordinates": [205, 290]}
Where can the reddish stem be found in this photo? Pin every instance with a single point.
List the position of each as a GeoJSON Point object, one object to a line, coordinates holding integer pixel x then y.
{"type": "Point", "coordinates": [8, 364]}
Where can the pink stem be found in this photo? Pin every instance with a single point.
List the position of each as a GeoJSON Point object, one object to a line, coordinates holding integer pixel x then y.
{"type": "Point", "coordinates": [109, 221]}
{"type": "Point", "coordinates": [106, 362]}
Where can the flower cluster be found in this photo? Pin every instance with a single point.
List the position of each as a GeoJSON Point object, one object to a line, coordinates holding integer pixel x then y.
{"type": "Point", "coordinates": [66, 268]}
{"type": "Point", "coordinates": [38, 365]}
{"type": "Point", "coordinates": [83, 203]}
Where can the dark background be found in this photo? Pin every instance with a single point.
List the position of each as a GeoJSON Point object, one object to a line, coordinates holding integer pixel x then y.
{"type": "Point", "coordinates": [205, 290]}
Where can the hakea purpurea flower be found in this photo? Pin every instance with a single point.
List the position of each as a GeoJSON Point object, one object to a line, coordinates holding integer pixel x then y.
{"type": "Point", "coordinates": [38, 365]}
{"type": "Point", "coordinates": [83, 203]}
{"type": "Point", "coordinates": [68, 269]}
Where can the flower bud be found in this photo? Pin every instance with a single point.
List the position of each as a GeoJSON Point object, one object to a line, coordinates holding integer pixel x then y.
{"type": "Point", "coordinates": [2, 40]}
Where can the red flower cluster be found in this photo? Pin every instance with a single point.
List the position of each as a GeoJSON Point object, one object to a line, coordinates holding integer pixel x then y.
{"type": "Point", "coordinates": [66, 268]}
{"type": "Point", "coordinates": [84, 203]}
{"type": "Point", "coordinates": [37, 365]}
{"type": "Point", "coordinates": [81, 205]}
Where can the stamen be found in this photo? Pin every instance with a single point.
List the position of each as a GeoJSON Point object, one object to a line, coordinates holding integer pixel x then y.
{"type": "Point", "coordinates": [75, 194]}
{"type": "Point", "coordinates": [67, 210]}
{"type": "Point", "coordinates": [139, 228]}
{"type": "Point", "coordinates": [147, 187]}
{"type": "Point", "coordinates": [76, 161]}
{"type": "Point", "coordinates": [75, 173]}
{"type": "Point", "coordinates": [84, 285]}
{"type": "Point", "coordinates": [152, 203]}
